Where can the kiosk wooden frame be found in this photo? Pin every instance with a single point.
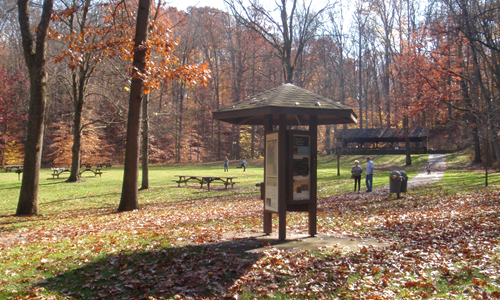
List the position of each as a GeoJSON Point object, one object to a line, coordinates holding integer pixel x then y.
{"type": "Point", "coordinates": [278, 109]}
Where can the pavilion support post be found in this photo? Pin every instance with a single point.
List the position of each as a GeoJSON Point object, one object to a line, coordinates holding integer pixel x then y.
{"type": "Point", "coordinates": [313, 129]}
{"type": "Point", "coordinates": [268, 216]}
{"type": "Point", "coordinates": [282, 176]}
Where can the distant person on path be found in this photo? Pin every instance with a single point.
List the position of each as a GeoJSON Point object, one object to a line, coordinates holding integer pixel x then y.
{"type": "Point", "coordinates": [226, 165]}
{"type": "Point", "coordinates": [243, 165]}
{"type": "Point", "coordinates": [356, 174]}
{"type": "Point", "coordinates": [369, 174]}
{"type": "Point", "coordinates": [428, 168]}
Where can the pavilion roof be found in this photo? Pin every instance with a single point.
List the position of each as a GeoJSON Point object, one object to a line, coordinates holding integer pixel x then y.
{"type": "Point", "coordinates": [381, 134]}
{"type": "Point", "coordinates": [295, 102]}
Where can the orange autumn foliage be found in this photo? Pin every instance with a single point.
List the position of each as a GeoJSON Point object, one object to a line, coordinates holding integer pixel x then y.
{"type": "Point", "coordinates": [113, 37]}
{"type": "Point", "coordinates": [427, 72]}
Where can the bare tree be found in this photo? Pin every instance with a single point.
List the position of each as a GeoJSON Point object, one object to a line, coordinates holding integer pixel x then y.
{"type": "Point", "coordinates": [35, 47]}
{"type": "Point", "coordinates": [288, 35]}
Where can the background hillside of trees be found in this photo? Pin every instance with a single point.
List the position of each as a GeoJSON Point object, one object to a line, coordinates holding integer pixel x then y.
{"type": "Point", "coordinates": [433, 65]}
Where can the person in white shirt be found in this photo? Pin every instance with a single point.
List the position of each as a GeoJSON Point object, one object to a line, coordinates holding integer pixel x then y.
{"type": "Point", "coordinates": [369, 174]}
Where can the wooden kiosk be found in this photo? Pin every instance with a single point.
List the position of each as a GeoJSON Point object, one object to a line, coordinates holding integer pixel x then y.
{"type": "Point", "coordinates": [290, 166]}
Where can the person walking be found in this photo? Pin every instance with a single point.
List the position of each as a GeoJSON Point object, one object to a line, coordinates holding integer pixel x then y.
{"type": "Point", "coordinates": [356, 174]}
{"type": "Point", "coordinates": [243, 165]}
{"type": "Point", "coordinates": [226, 165]}
{"type": "Point", "coordinates": [428, 168]}
{"type": "Point", "coordinates": [369, 174]}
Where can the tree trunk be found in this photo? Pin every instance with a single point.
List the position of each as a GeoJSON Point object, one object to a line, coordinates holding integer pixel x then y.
{"type": "Point", "coordinates": [360, 83]}
{"type": "Point", "coordinates": [4, 142]}
{"type": "Point", "coordinates": [129, 198]}
{"type": "Point", "coordinates": [407, 141]}
{"type": "Point", "coordinates": [34, 53]}
{"type": "Point", "coordinates": [79, 99]}
{"type": "Point", "coordinates": [179, 123]}
{"type": "Point", "coordinates": [77, 134]}
{"type": "Point", "coordinates": [494, 138]}
{"type": "Point", "coordinates": [464, 89]}
{"type": "Point", "coordinates": [145, 143]}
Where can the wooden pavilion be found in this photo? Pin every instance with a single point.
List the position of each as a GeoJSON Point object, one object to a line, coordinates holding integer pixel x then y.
{"type": "Point", "coordinates": [382, 140]}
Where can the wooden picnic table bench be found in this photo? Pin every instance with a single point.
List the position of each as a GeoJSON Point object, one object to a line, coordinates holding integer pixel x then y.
{"type": "Point", "coordinates": [101, 165]}
{"type": "Point", "coordinates": [9, 168]}
{"type": "Point", "coordinates": [206, 180]}
{"type": "Point", "coordinates": [96, 172]}
{"type": "Point", "coordinates": [58, 171]}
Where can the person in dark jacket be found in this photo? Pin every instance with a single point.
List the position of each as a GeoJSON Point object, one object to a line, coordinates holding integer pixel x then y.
{"type": "Point", "coordinates": [356, 174]}
{"type": "Point", "coordinates": [226, 164]}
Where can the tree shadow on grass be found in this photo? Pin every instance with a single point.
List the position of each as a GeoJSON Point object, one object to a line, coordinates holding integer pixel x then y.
{"type": "Point", "coordinates": [190, 271]}
{"type": "Point", "coordinates": [17, 186]}
{"type": "Point", "coordinates": [82, 198]}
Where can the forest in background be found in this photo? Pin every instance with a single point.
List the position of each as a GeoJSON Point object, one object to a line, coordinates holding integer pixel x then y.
{"type": "Point", "coordinates": [396, 63]}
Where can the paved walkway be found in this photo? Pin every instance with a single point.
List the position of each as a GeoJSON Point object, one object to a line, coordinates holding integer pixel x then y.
{"type": "Point", "coordinates": [438, 166]}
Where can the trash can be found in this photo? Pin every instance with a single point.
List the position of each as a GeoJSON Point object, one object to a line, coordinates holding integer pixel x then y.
{"type": "Point", "coordinates": [395, 182]}
{"type": "Point", "coordinates": [404, 181]}
{"type": "Point", "coordinates": [262, 189]}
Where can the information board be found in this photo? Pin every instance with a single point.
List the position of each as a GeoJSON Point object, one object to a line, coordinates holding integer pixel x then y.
{"type": "Point", "coordinates": [301, 166]}
{"type": "Point", "coordinates": [271, 190]}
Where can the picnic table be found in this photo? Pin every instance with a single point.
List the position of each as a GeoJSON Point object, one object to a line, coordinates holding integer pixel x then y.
{"type": "Point", "coordinates": [58, 171]}
{"type": "Point", "coordinates": [9, 168]}
{"type": "Point", "coordinates": [206, 180]}
{"type": "Point", "coordinates": [101, 165]}
{"type": "Point", "coordinates": [88, 168]}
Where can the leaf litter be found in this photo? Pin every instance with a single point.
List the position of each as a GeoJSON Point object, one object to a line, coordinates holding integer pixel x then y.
{"type": "Point", "coordinates": [440, 247]}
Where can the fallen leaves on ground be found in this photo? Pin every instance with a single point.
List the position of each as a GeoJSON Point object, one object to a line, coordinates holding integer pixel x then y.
{"type": "Point", "coordinates": [440, 247]}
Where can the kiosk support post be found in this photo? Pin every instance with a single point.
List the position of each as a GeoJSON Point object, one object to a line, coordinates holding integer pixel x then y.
{"type": "Point", "coordinates": [282, 161]}
{"type": "Point", "coordinates": [313, 128]}
{"type": "Point", "coordinates": [268, 216]}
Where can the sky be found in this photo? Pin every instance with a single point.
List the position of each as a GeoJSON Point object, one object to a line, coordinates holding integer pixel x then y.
{"type": "Point", "coordinates": [184, 4]}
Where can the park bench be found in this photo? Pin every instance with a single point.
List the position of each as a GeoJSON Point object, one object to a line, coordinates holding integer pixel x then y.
{"type": "Point", "coordinates": [88, 168]}
{"type": "Point", "coordinates": [9, 168]}
{"type": "Point", "coordinates": [58, 171]}
{"type": "Point", "coordinates": [102, 165]}
{"type": "Point", "coordinates": [227, 181]}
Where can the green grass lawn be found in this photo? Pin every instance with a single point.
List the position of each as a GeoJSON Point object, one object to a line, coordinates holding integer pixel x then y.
{"type": "Point", "coordinates": [103, 193]}
{"type": "Point", "coordinates": [79, 247]}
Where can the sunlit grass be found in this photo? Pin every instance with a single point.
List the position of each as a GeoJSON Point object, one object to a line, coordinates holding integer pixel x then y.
{"type": "Point", "coordinates": [463, 175]}
{"type": "Point", "coordinates": [103, 193]}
